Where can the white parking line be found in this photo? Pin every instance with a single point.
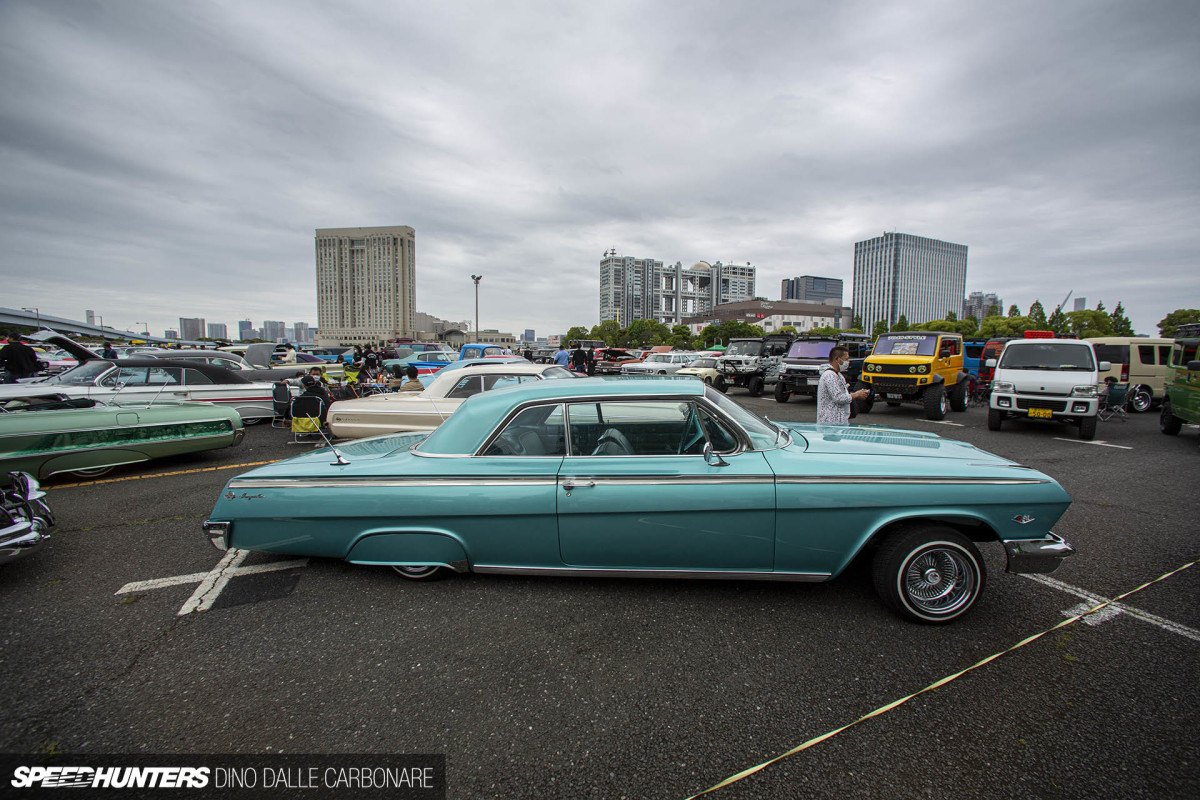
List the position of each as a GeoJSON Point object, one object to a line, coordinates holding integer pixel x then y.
{"type": "Point", "coordinates": [1113, 610]}
{"type": "Point", "coordinates": [213, 582]}
{"type": "Point", "coordinates": [1095, 441]}
{"type": "Point", "coordinates": [944, 422]}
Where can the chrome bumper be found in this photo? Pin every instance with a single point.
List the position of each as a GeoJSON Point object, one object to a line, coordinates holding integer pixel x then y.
{"type": "Point", "coordinates": [25, 519]}
{"type": "Point", "coordinates": [217, 533]}
{"type": "Point", "coordinates": [1036, 556]}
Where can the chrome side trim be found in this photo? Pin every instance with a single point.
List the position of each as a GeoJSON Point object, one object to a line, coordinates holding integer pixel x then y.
{"type": "Point", "coordinates": [604, 572]}
{"type": "Point", "coordinates": [107, 428]}
{"type": "Point", "coordinates": [389, 483]}
{"type": "Point", "coordinates": [888, 479]}
{"type": "Point", "coordinates": [671, 480]}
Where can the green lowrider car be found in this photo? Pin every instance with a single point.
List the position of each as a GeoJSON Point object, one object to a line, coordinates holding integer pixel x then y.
{"type": "Point", "coordinates": [653, 478]}
{"type": "Point", "coordinates": [49, 433]}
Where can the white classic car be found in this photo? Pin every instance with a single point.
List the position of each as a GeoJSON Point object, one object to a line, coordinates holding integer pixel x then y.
{"type": "Point", "coordinates": [424, 411]}
{"type": "Point", "coordinates": [659, 364]}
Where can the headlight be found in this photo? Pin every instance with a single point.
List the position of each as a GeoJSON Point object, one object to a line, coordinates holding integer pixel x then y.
{"type": "Point", "coordinates": [922, 369]}
{"type": "Point", "coordinates": [912, 369]}
{"type": "Point", "coordinates": [1084, 391]}
{"type": "Point", "coordinates": [1003, 386]}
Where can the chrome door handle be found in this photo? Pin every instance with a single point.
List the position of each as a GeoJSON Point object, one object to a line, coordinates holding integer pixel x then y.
{"type": "Point", "coordinates": [569, 484]}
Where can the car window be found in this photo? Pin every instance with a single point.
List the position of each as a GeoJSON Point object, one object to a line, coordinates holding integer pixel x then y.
{"type": "Point", "coordinates": [194, 377]}
{"type": "Point", "coordinates": [632, 428]}
{"type": "Point", "coordinates": [466, 387]}
{"type": "Point", "coordinates": [1164, 354]}
{"type": "Point", "coordinates": [718, 432]}
{"type": "Point", "coordinates": [536, 431]}
{"type": "Point", "coordinates": [503, 381]}
{"type": "Point", "coordinates": [83, 375]}
{"type": "Point", "coordinates": [949, 348]}
{"type": "Point", "coordinates": [1114, 353]}
{"type": "Point", "coordinates": [763, 435]}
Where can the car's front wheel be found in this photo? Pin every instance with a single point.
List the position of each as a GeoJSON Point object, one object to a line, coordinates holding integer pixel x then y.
{"type": "Point", "coordinates": [995, 419]}
{"type": "Point", "coordinates": [931, 574]}
{"type": "Point", "coordinates": [754, 386]}
{"type": "Point", "coordinates": [936, 404]}
{"type": "Point", "coordinates": [1087, 428]}
{"type": "Point", "coordinates": [958, 397]}
{"type": "Point", "coordinates": [781, 392]}
{"type": "Point", "coordinates": [1168, 423]}
{"type": "Point", "coordinates": [720, 384]}
{"type": "Point", "coordinates": [422, 572]}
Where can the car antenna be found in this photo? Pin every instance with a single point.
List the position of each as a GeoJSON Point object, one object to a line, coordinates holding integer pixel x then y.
{"type": "Point", "coordinates": [341, 460]}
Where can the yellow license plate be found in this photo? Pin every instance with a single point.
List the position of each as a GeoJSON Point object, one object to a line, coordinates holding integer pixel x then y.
{"type": "Point", "coordinates": [1041, 412]}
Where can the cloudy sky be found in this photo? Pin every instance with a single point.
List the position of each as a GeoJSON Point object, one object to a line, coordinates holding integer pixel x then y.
{"type": "Point", "coordinates": [167, 159]}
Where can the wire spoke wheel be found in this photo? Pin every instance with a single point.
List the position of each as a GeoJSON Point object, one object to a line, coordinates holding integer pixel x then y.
{"type": "Point", "coordinates": [930, 574]}
{"type": "Point", "coordinates": [939, 581]}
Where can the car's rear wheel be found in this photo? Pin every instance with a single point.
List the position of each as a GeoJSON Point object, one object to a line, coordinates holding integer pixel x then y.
{"type": "Point", "coordinates": [995, 418]}
{"type": "Point", "coordinates": [931, 574]}
{"type": "Point", "coordinates": [1087, 428]}
{"type": "Point", "coordinates": [781, 393]}
{"type": "Point", "coordinates": [936, 404]}
{"type": "Point", "coordinates": [893, 403]}
{"type": "Point", "coordinates": [422, 572]}
{"type": "Point", "coordinates": [1168, 423]}
{"type": "Point", "coordinates": [255, 420]}
{"type": "Point", "coordinates": [754, 386]}
{"type": "Point", "coordinates": [1140, 399]}
{"type": "Point", "coordinates": [95, 472]}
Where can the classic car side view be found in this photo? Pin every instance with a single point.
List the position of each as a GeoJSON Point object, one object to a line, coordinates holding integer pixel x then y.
{"type": "Point", "coordinates": [650, 478]}
{"type": "Point", "coordinates": [47, 434]}
{"type": "Point", "coordinates": [658, 364]}
{"type": "Point", "coordinates": [423, 411]}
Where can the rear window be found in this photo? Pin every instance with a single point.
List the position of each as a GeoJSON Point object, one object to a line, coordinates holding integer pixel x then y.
{"type": "Point", "coordinates": [905, 345]}
{"type": "Point", "coordinates": [974, 350]}
{"type": "Point", "coordinates": [1116, 353]}
{"type": "Point", "coordinates": [1049, 356]}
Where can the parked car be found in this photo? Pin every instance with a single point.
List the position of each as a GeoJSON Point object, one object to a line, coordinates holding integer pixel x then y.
{"type": "Point", "coordinates": [800, 371]}
{"type": "Point", "coordinates": [752, 363]}
{"type": "Point", "coordinates": [1181, 400]}
{"type": "Point", "coordinates": [658, 364]}
{"type": "Point", "coordinates": [46, 434]}
{"type": "Point", "coordinates": [973, 355]}
{"type": "Point", "coordinates": [1142, 363]}
{"type": "Point", "coordinates": [991, 352]}
{"type": "Point", "coordinates": [609, 360]}
{"type": "Point", "coordinates": [1050, 379]}
{"type": "Point", "coordinates": [704, 368]}
{"type": "Point", "coordinates": [649, 478]}
{"type": "Point", "coordinates": [424, 411]}
{"type": "Point", "coordinates": [25, 518]}
{"type": "Point", "coordinates": [923, 367]}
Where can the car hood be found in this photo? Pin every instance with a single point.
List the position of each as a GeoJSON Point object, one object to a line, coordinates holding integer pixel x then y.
{"type": "Point", "coordinates": [879, 440]}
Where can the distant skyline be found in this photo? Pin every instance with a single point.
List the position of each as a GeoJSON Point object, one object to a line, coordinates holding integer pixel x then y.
{"type": "Point", "coordinates": [173, 159]}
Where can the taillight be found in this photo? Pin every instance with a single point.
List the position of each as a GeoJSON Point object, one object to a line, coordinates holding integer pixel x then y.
{"type": "Point", "coordinates": [1124, 373]}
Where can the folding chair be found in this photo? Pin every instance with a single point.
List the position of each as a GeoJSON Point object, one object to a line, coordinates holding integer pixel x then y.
{"type": "Point", "coordinates": [281, 402]}
{"type": "Point", "coordinates": [1113, 401]}
{"type": "Point", "coordinates": [308, 413]}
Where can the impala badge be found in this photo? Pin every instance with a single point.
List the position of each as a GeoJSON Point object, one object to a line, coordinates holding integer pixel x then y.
{"type": "Point", "coordinates": [1022, 519]}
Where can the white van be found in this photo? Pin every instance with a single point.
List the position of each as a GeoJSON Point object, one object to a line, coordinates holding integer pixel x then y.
{"type": "Point", "coordinates": [1047, 379]}
{"type": "Point", "coordinates": [1140, 362]}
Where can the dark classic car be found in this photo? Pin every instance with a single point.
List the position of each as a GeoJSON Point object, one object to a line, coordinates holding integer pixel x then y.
{"type": "Point", "coordinates": [654, 478]}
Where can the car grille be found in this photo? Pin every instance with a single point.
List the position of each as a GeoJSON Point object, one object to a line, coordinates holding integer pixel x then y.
{"type": "Point", "coordinates": [895, 369]}
{"type": "Point", "coordinates": [893, 384]}
{"type": "Point", "coordinates": [1054, 405]}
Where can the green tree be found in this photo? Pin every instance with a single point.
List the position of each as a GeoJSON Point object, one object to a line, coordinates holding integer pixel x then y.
{"type": "Point", "coordinates": [575, 334]}
{"type": "Point", "coordinates": [1057, 322]}
{"type": "Point", "coordinates": [902, 324]}
{"type": "Point", "coordinates": [880, 328]}
{"type": "Point", "coordinates": [609, 331]}
{"type": "Point", "coordinates": [1180, 316]}
{"type": "Point", "coordinates": [1121, 326]}
{"type": "Point", "coordinates": [1037, 313]}
{"type": "Point", "coordinates": [952, 316]}
{"type": "Point", "coordinates": [788, 329]}
{"type": "Point", "coordinates": [681, 337]}
{"type": "Point", "coordinates": [647, 333]}
{"type": "Point", "coordinates": [825, 330]}
{"type": "Point", "coordinates": [993, 311]}
{"type": "Point", "coordinates": [1087, 323]}
{"type": "Point", "coordinates": [969, 326]}
{"type": "Point", "coordinates": [1013, 311]}
{"type": "Point", "coordinates": [994, 325]}
{"type": "Point", "coordinates": [856, 323]}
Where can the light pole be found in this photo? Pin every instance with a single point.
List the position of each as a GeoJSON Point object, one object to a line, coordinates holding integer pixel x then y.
{"type": "Point", "coordinates": [38, 314]}
{"type": "Point", "coordinates": [476, 278]}
{"type": "Point", "coordinates": [145, 328]}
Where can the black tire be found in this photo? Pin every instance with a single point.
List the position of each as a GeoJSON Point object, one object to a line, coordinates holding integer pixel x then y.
{"type": "Point", "coordinates": [936, 404]}
{"type": "Point", "coordinates": [1168, 423]}
{"type": "Point", "coordinates": [708, 380]}
{"type": "Point", "coordinates": [863, 406]}
{"type": "Point", "coordinates": [958, 397]}
{"type": "Point", "coordinates": [94, 472]}
{"type": "Point", "coordinates": [255, 420]}
{"type": "Point", "coordinates": [995, 418]}
{"type": "Point", "coordinates": [720, 384]}
{"type": "Point", "coordinates": [931, 574]}
{"type": "Point", "coordinates": [1140, 399]}
{"type": "Point", "coordinates": [754, 385]}
{"type": "Point", "coordinates": [1087, 428]}
{"type": "Point", "coordinates": [781, 393]}
{"type": "Point", "coordinates": [893, 403]}
{"type": "Point", "coordinates": [425, 572]}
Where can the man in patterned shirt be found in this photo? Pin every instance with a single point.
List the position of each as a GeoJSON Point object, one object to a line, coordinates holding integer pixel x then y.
{"type": "Point", "coordinates": [833, 398]}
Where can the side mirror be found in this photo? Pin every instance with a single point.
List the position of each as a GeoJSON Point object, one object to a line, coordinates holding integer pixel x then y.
{"type": "Point", "coordinates": [1193, 366]}
{"type": "Point", "coordinates": [713, 458]}
{"type": "Point", "coordinates": [990, 363]}
{"type": "Point", "coordinates": [1105, 366]}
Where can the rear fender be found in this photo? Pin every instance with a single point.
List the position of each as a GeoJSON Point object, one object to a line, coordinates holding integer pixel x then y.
{"type": "Point", "coordinates": [409, 548]}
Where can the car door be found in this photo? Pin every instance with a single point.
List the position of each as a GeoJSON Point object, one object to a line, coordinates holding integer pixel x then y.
{"type": "Point", "coordinates": [636, 493]}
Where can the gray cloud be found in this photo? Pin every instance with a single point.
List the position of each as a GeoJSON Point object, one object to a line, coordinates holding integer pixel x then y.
{"type": "Point", "coordinates": [174, 159]}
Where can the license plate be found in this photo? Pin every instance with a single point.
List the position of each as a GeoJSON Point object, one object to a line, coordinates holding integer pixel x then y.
{"type": "Point", "coordinates": [1043, 413]}
{"type": "Point", "coordinates": [813, 381]}
{"type": "Point", "coordinates": [895, 397]}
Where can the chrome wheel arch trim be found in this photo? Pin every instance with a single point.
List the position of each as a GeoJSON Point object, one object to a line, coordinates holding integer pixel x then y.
{"type": "Point", "coordinates": [615, 572]}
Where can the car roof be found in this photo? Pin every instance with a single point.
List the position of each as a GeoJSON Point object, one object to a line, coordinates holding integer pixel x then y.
{"type": "Point", "coordinates": [218, 374]}
{"type": "Point", "coordinates": [478, 415]}
{"type": "Point", "coordinates": [919, 333]}
{"type": "Point", "coordinates": [490, 366]}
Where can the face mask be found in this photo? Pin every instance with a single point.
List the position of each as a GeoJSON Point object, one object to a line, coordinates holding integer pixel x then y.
{"type": "Point", "coordinates": [842, 367]}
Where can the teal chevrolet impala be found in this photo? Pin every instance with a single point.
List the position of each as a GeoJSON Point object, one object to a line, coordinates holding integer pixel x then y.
{"type": "Point", "coordinates": [654, 478]}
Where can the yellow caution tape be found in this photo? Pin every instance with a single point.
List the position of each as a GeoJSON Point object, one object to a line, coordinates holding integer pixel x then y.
{"type": "Point", "coordinates": [161, 474]}
{"type": "Point", "coordinates": [884, 709]}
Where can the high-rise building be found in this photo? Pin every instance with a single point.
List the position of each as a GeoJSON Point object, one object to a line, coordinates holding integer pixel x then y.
{"type": "Point", "coordinates": [811, 289]}
{"type": "Point", "coordinates": [273, 330]}
{"type": "Point", "coordinates": [1081, 304]}
{"type": "Point", "coordinates": [217, 330]}
{"type": "Point", "coordinates": [246, 329]}
{"type": "Point", "coordinates": [900, 274]}
{"type": "Point", "coordinates": [529, 335]}
{"type": "Point", "coordinates": [170, 334]}
{"type": "Point", "coordinates": [300, 331]}
{"type": "Point", "coordinates": [191, 328]}
{"type": "Point", "coordinates": [366, 284]}
{"type": "Point", "coordinates": [90, 316]}
{"type": "Point", "coordinates": [643, 288]}
{"type": "Point", "coordinates": [980, 305]}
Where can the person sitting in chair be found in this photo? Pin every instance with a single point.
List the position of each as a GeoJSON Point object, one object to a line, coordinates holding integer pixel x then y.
{"type": "Point", "coordinates": [314, 387]}
{"type": "Point", "coordinates": [412, 384]}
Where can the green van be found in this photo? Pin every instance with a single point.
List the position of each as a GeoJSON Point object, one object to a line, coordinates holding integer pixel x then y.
{"type": "Point", "coordinates": [1181, 403]}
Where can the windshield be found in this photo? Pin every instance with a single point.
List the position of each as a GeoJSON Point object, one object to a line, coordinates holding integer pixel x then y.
{"type": "Point", "coordinates": [703, 363]}
{"type": "Point", "coordinates": [901, 344]}
{"type": "Point", "coordinates": [763, 435]}
{"type": "Point", "coordinates": [658, 358]}
{"type": "Point", "coordinates": [810, 350]}
{"type": "Point", "coordinates": [1049, 356]}
{"type": "Point", "coordinates": [557, 372]}
{"type": "Point", "coordinates": [83, 375]}
{"type": "Point", "coordinates": [751, 348]}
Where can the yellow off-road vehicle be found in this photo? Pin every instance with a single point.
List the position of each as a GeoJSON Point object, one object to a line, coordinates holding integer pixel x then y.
{"type": "Point", "coordinates": [923, 367]}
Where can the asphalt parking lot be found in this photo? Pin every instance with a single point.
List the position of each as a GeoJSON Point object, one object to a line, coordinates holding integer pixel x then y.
{"type": "Point", "coordinates": [581, 688]}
